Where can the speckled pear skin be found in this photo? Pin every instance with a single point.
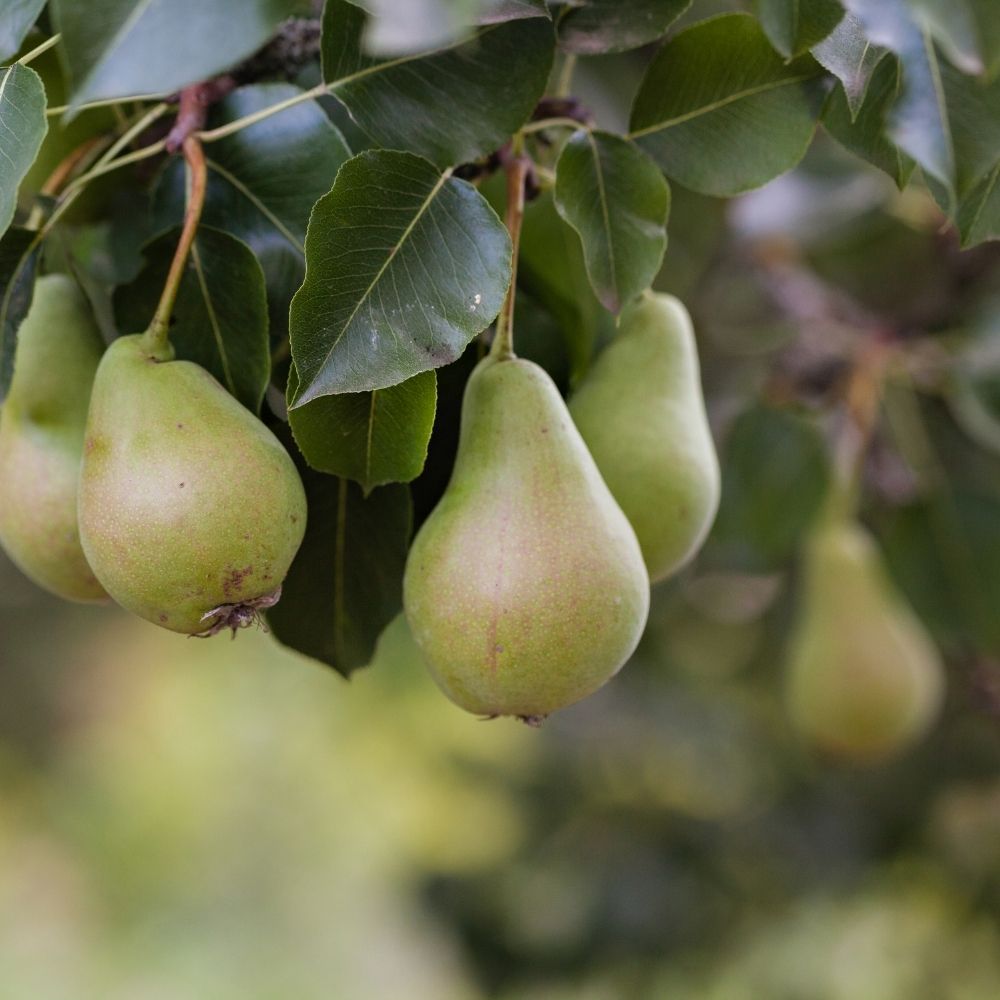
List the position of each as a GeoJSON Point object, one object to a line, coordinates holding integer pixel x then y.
{"type": "Point", "coordinates": [187, 501]}
{"type": "Point", "coordinates": [641, 412]}
{"type": "Point", "coordinates": [864, 678]}
{"type": "Point", "coordinates": [41, 439]}
{"type": "Point", "coordinates": [525, 588]}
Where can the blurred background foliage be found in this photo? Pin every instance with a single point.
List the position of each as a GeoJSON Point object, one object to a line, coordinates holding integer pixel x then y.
{"type": "Point", "coordinates": [224, 819]}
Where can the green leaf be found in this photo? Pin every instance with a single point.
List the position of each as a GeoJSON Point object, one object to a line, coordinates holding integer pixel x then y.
{"type": "Point", "coordinates": [721, 111]}
{"type": "Point", "coordinates": [373, 437]}
{"type": "Point", "coordinates": [404, 266]}
{"type": "Point", "coordinates": [18, 258]}
{"type": "Point", "coordinates": [775, 473]}
{"type": "Point", "coordinates": [590, 27]}
{"type": "Point", "coordinates": [793, 26]}
{"type": "Point", "coordinates": [865, 135]}
{"type": "Point", "coordinates": [952, 24]}
{"type": "Point", "coordinates": [978, 215]}
{"type": "Point", "coordinates": [346, 583]}
{"type": "Point", "coordinates": [614, 196]}
{"type": "Point", "coordinates": [450, 106]}
{"type": "Point", "coordinates": [988, 26]}
{"type": "Point", "coordinates": [551, 267]}
{"type": "Point", "coordinates": [851, 58]}
{"type": "Point", "coordinates": [220, 316]}
{"type": "Point", "coordinates": [918, 121]}
{"type": "Point", "coordinates": [395, 29]}
{"type": "Point", "coordinates": [974, 115]}
{"type": "Point", "coordinates": [22, 128]}
{"type": "Point", "coordinates": [16, 20]}
{"type": "Point", "coordinates": [121, 48]}
{"type": "Point", "coordinates": [262, 184]}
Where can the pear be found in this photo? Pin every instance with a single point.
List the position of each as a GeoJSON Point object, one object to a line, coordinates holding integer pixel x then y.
{"type": "Point", "coordinates": [41, 439]}
{"type": "Point", "coordinates": [641, 412]}
{"type": "Point", "coordinates": [525, 587]}
{"type": "Point", "coordinates": [191, 511]}
{"type": "Point", "coordinates": [864, 678]}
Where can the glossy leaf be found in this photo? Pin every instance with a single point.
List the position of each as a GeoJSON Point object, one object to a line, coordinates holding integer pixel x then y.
{"type": "Point", "coordinates": [262, 184]}
{"type": "Point", "coordinates": [121, 48]}
{"type": "Point", "coordinates": [373, 437]}
{"type": "Point", "coordinates": [590, 27]}
{"type": "Point", "coordinates": [721, 111]}
{"type": "Point", "coordinates": [865, 136]}
{"type": "Point", "coordinates": [22, 128]}
{"type": "Point", "coordinates": [18, 259]}
{"type": "Point", "coordinates": [849, 55]}
{"type": "Point", "coordinates": [974, 118]}
{"type": "Point", "coordinates": [451, 105]}
{"type": "Point", "coordinates": [220, 317]}
{"type": "Point", "coordinates": [405, 265]}
{"type": "Point", "coordinates": [398, 29]}
{"type": "Point", "coordinates": [346, 583]}
{"type": "Point", "coordinates": [918, 121]}
{"type": "Point", "coordinates": [616, 199]}
{"type": "Point", "coordinates": [16, 19]}
{"type": "Point", "coordinates": [793, 26]}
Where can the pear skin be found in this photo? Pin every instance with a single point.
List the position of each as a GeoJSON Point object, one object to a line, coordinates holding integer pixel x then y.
{"type": "Point", "coordinates": [525, 589]}
{"type": "Point", "coordinates": [864, 678]}
{"type": "Point", "coordinates": [41, 439]}
{"type": "Point", "coordinates": [191, 511]}
{"type": "Point", "coordinates": [641, 412]}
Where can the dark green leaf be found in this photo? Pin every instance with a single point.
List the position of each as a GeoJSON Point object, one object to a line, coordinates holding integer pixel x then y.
{"type": "Point", "coordinates": [978, 215]}
{"type": "Point", "coordinates": [373, 437]}
{"type": "Point", "coordinates": [220, 317]}
{"type": "Point", "coordinates": [918, 121]}
{"type": "Point", "coordinates": [16, 20]}
{"type": "Point", "coordinates": [17, 283]}
{"type": "Point", "coordinates": [22, 128]}
{"type": "Point", "coordinates": [721, 111]}
{"type": "Point", "coordinates": [775, 473]}
{"type": "Point", "coordinates": [452, 105]}
{"type": "Point", "coordinates": [120, 48]}
{"type": "Point", "coordinates": [552, 268]}
{"type": "Point", "coordinates": [865, 135]}
{"type": "Point", "coordinates": [796, 25]}
{"type": "Point", "coordinates": [262, 184]}
{"type": "Point", "coordinates": [974, 116]}
{"type": "Point", "coordinates": [405, 265]}
{"type": "Point", "coordinates": [851, 58]}
{"type": "Point", "coordinates": [988, 24]}
{"type": "Point", "coordinates": [346, 583]}
{"type": "Point", "coordinates": [589, 27]}
{"type": "Point", "coordinates": [614, 196]}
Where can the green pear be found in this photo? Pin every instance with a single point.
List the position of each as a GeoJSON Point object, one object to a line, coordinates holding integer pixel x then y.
{"type": "Point", "coordinates": [191, 511]}
{"type": "Point", "coordinates": [641, 412]}
{"type": "Point", "coordinates": [41, 439]}
{"type": "Point", "coordinates": [525, 588]}
{"type": "Point", "coordinates": [864, 678]}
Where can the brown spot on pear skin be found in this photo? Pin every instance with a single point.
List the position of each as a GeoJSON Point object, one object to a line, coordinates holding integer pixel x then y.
{"type": "Point", "coordinates": [234, 580]}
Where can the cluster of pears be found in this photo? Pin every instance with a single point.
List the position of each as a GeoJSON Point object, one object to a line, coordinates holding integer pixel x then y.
{"type": "Point", "coordinates": [136, 476]}
{"type": "Point", "coordinates": [864, 678]}
{"type": "Point", "coordinates": [527, 588]}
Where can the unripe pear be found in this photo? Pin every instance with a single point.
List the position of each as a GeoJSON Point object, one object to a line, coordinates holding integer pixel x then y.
{"type": "Point", "coordinates": [641, 412]}
{"type": "Point", "coordinates": [191, 511]}
{"type": "Point", "coordinates": [525, 588]}
{"type": "Point", "coordinates": [41, 439]}
{"type": "Point", "coordinates": [864, 678]}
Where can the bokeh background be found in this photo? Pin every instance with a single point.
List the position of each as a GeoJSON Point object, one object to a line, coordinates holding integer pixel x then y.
{"type": "Point", "coordinates": [187, 818]}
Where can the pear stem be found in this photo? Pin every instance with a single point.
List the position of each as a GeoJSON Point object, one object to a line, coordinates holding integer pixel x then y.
{"type": "Point", "coordinates": [517, 173]}
{"type": "Point", "coordinates": [156, 339]}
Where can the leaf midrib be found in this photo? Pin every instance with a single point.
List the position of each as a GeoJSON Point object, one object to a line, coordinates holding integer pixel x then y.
{"type": "Point", "coordinates": [721, 103]}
